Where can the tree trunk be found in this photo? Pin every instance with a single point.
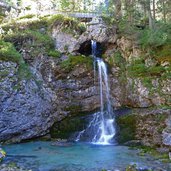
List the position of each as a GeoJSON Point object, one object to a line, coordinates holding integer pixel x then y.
{"type": "Point", "coordinates": [150, 18]}
{"type": "Point", "coordinates": [154, 10]}
{"type": "Point", "coordinates": [118, 9]}
{"type": "Point", "coordinates": [164, 10]}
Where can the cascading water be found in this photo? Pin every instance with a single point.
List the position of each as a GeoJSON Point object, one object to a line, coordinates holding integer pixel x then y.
{"type": "Point", "coordinates": [101, 128]}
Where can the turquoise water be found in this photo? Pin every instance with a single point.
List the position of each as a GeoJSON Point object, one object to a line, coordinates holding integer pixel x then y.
{"type": "Point", "coordinates": [43, 156]}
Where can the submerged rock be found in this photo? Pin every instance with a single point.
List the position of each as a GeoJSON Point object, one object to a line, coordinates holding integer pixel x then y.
{"type": "Point", "coordinates": [12, 167]}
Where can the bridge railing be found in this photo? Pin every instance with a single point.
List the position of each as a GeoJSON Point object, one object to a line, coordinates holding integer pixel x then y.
{"type": "Point", "coordinates": [78, 14]}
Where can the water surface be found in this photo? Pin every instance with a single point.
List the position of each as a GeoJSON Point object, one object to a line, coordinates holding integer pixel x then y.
{"type": "Point", "coordinates": [43, 156]}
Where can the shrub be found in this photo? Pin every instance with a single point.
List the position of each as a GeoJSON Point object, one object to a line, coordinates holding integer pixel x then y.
{"type": "Point", "coordinates": [152, 38]}
{"type": "Point", "coordinates": [155, 38]}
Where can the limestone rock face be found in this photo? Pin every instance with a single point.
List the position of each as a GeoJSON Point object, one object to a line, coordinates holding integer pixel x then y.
{"type": "Point", "coordinates": [129, 49]}
{"type": "Point", "coordinates": [166, 133]}
{"type": "Point", "coordinates": [65, 42]}
{"type": "Point", "coordinates": [29, 108]}
{"type": "Point", "coordinates": [100, 32]}
{"type": "Point", "coordinates": [143, 90]}
{"type": "Point", "coordinates": [25, 108]}
{"type": "Point", "coordinates": [96, 30]}
{"type": "Point", "coordinates": [150, 125]}
{"type": "Point", "coordinates": [147, 126]}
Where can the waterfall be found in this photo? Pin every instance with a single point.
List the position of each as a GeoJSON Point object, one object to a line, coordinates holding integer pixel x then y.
{"type": "Point", "coordinates": [101, 128]}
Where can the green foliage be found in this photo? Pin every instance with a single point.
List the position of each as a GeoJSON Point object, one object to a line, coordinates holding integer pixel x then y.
{"type": "Point", "coordinates": [28, 16]}
{"type": "Point", "coordinates": [153, 38]}
{"type": "Point", "coordinates": [73, 61]}
{"type": "Point", "coordinates": [110, 21]}
{"type": "Point", "coordinates": [139, 69]}
{"type": "Point", "coordinates": [9, 53]}
{"type": "Point", "coordinates": [157, 40]}
{"type": "Point", "coordinates": [125, 28]}
{"type": "Point", "coordinates": [54, 53]}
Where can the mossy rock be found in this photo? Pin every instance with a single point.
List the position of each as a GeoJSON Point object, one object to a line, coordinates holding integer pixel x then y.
{"type": "Point", "coordinates": [164, 53]}
{"type": "Point", "coordinates": [32, 39]}
{"type": "Point", "coordinates": [138, 69]}
{"type": "Point", "coordinates": [69, 64]}
{"type": "Point", "coordinates": [69, 25]}
{"type": "Point", "coordinates": [127, 128]}
{"type": "Point", "coordinates": [67, 127]}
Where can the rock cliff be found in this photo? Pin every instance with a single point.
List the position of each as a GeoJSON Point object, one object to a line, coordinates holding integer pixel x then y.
{"type": "Point", "coordinates": [64, 87]}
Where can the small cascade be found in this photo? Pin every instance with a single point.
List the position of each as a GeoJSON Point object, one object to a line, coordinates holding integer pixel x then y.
{"type": "Point", "coordinates": [101, 127]}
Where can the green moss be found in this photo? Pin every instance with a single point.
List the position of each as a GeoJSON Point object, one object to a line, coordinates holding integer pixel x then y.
{"type": "Point", "coordinates": [54, 53]}
{"type": "Point", "coordinates": [74, 109]}
{"type": "Point", "coordinates": [37, 24]}
{"type": "Point", "coordinates": [33, 41]}
{"type": "Point", "coordinates": [127, 127]}
{"type": "Point", "coordinates": [24, 72]}
{"type": "Point", "coordinates": [155, 70]}
{"type": "Point", "coordinates": [116, 59]}
{"type": "Point", "coordinates": [12, 165]}
{"type": "Point", "coordinates": [147, 82]}
{"type": "Point", "coordinates": [28, 16]}
{"type": "Point", "coordinates": [138, 69]}
{"type": "Point", "coordinates": [67, 127]}
{"type": "Point", "coordinates": [119, 61]}
{"type": "Point", "coordinates": [68, 24]}
{"type": "Point", "coordinates": [73, 61]}
{"type": "Point", "coordinates": [36, 38]}
{"type": "Point", "coordinates": [163, 53]}
{"type": "Point", "coordinates": [9, 53]}
{"type": "Point", "coordinates": [131, 168]}
{"type": "Point", "coordinates": [153, 152]}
